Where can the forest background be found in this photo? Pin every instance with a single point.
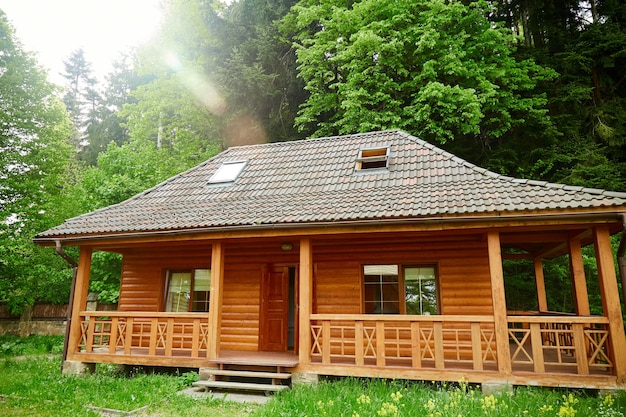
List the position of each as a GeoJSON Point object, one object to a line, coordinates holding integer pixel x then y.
{"type": "Point", "coordinates": [526, 88]}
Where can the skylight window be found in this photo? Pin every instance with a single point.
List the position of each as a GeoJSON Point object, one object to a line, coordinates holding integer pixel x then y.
{"type": "Point", "coordinates": [373, 158]}
{"type": "Point", "coordinates": [227, 172]}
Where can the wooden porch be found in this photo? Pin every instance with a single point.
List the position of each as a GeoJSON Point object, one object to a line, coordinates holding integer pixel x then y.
{"type": "Point", "coordinates": [550, 350]}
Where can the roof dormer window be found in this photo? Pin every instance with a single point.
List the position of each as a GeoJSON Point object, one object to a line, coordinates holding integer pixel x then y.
{"type": "Point", "coordinates": [227, 172]}
{"type": "Point", "coordinates": [373, 158]}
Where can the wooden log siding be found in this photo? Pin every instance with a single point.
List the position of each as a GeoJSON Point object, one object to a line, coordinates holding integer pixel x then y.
{"type": "Point", "coordinates": [241, 305]}
{"type": "Point", "coordinates": [464, 283]}
{"type": "Point", "coordinates": [463, 271]}
{"type": "Point", "coordinates": [143, 274]}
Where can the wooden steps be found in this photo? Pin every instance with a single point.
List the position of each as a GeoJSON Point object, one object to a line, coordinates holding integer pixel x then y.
{"type": "Point", "coordinates": [252, 373]}
{"type": "Point", "coordinates": [240, 386]}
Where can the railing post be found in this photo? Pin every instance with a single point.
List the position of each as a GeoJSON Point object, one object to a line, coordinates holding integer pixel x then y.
{"type": "Point", "coordinates": [439, 351]}
{"type": "Point", "coordinates": [80, 299]}
{"type": "Point", "coordinates": [499, 303]}
{"type": "Point", "coordinates": [610, 299]}
{"type": "Point", "coordinates": [580, 347]}
{"type": "Point", "coordinates": [113, 335]}
{"type": "Point", "coordinates": [359, 358]}
{"type": "Point", "coordinates": [169, 336]}
{"type": "Point", "coordinates": [128, 342]}
{"type": "Point", "coordinates": [416, 348]}
{"type": "Point", "coordinates": [195, 338]}
{"type": "Point", "coordinates": [537, 348]}
{"type": "Point", "coordinates": [380, 343]}
{"type": "Point", "coordinates": [91, 326]}
{"type": "Point", "coordinates": [477, 349]}
{"type": "Point", "coordinates": [154, 328]}
{"type": "Point", "coordinates": [305, 301]}
{"type": "Point", "coordinates": [326, 342]}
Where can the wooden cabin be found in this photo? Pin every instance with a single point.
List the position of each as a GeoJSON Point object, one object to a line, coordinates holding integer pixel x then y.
{"type": "Point", "coordinates": [375, 255]}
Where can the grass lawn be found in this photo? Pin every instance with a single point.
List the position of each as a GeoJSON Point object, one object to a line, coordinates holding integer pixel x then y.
{"type": "Point", "coordinates": [32, 385]}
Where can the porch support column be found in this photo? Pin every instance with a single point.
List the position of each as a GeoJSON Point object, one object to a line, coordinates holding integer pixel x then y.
{"type": "Point", "coordinates": [499, 303]}
{"type": "Point", "coordinates": [581, 298]}
{"type": "Point", "coordinates": [80, 299]}
{"type": "Point", "coordinates": [215, 300]}
{"type": "Point", "coordinates": [610, 299]}
{"type": "Point", "coordinates": [305, 301]}
{"type": "Point", "coordinates": [542, 299]}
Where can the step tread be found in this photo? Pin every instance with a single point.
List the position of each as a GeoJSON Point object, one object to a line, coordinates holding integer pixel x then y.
{"type": "Point", "coordinates": [240, 385]}
{"type": "Point", "coordinates": [247, 374]}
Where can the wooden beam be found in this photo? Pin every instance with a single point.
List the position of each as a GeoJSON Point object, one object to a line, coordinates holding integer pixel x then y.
{"type": "Point", "coordinates": [305, 299]}
{"type": "Point", "coordinates": [610, 299]}
{"type": "Point", "coordinates": [542, 299]}
{"type": "Point", "coordinates": [552, 250]}
{"type": "Point", "coordinates": [579, 283]}
{"type": "Point", "coordinates": [80, 299]}
{"type": "Point", "coordinates": [499, 303]}
{"type": "Point", "coordinates": [215, 299]}
{"type": "Point", "coordinates": [540, 221]}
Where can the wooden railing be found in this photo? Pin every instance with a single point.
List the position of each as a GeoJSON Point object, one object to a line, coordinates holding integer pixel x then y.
{"type": "Point", "coordinates": [436, 342]}
{"type": "Point", "coordinates": [554, 344]}
{"type": "Point", "coordinates": [144, 333]}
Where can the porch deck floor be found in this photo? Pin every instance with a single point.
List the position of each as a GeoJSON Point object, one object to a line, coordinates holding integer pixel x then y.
{"type": "Point", "coordinates": [257, 358]}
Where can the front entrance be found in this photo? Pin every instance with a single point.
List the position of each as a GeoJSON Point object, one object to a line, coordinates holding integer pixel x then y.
{"type": "Point", "coordinates": [277, 315]}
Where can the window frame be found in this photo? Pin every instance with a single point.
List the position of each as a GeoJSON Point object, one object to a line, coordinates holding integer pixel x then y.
{"type": "Point", "coordinates": [168, 281]}
{"type": "Point", "coordinates": [402, 267]}
{"type": "Point", "coordinates": [373, 156]}
{"type": "Point", "coordinates": [228, 172]}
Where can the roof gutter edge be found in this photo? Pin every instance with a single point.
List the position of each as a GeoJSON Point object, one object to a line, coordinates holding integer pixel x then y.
{"type": "Point", "coordinates": [591, 216]}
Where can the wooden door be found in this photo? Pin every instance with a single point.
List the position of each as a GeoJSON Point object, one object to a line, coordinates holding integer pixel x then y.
{"type": "Point", "coordinates": [274, 309]}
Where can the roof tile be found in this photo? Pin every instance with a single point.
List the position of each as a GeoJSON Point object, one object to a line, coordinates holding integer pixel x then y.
{"type": "Point", "coordinates": [315, 181]}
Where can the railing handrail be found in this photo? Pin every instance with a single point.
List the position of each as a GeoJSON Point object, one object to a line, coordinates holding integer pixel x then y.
{"type": "Point", "coordinates": [557, 319]}
{"type": "Point", "coordinates": [403, 318]}
{"type": "Point", "coordinates": [144, 314]}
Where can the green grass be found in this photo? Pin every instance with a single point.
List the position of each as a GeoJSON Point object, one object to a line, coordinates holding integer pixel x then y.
{"type": "Point", "coordinates": [12, 345]}
{"type": "Point", "coordinates": [33, 385]}
{"type": "Point", "coordinates": [361, 398]}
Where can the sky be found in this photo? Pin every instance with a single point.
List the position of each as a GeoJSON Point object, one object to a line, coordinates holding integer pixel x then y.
{"type": "Point", "coordinates": [103, 28]}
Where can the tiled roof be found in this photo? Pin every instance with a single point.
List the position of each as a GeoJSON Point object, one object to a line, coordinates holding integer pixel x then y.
{"type": "Point", "coordinates": [315, 181]}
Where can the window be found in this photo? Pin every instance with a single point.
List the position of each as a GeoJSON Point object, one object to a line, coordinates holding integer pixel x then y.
{"type": "Point", "coordinates": [188, 290]}
{"type": "Point", "coordinates": [392, 289]}
{"type": "Point", "coordinates": [227, 172]}
{"type": "Point", "coordinates": [372, 158]}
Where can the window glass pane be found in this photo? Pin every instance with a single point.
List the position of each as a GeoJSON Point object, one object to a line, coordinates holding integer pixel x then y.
{"type": "Point", "coordinates": [381, 290]}
{"type": "Point", "coordinates": [421, 290]}
{"type": "Point", "coordinates": [179, 292]}
{"type": "Point", "coordinates": [227, 172]}
{"type": "Point", "coordinates": [201, 290]}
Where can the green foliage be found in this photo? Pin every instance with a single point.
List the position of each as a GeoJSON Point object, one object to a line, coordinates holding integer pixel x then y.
{"type": "Point", "coordinates": [12, 345]}
{"type": "Point", "coordinates": [105, 276]}
{"type": "Point", "coordinates": [34, 158]}
{"type": "Point", "coordinates": [439, 69]}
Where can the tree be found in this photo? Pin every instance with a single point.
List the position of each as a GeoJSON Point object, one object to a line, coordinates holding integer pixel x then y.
{"type": "Point", "coordinates": [438, 69]}
{"type": "Point", "coordinates": [107, 125]}
{"type": "Point", "coordinates": [34, 157]}
{"type": "Point", "coordinates": [81, 97]}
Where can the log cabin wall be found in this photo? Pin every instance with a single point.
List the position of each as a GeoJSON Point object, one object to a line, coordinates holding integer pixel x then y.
{"type": "Point", "coordinates": [143, 273]}
{"type": "Point", "coordinates": [462, 267]}
{"type": "Point", "coordinates": [463, 270]}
